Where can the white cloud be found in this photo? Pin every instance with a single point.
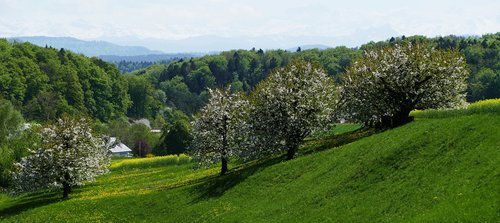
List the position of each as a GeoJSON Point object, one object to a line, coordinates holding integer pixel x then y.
{"type": "Point", "coordinates": [176, 19]}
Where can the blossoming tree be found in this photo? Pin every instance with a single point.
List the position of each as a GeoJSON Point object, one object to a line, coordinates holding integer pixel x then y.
{"type": "Point", "coordinates": [291, 103]}
{"type": "Point", "coordinates": [387, 83]}
{"type": "Point", "coordinates": [69, 155]}
{"type": "Point", "coordinates": [217, 129]}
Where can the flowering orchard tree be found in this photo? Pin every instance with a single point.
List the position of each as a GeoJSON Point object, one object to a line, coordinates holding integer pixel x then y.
{"type": "Point", "coordinates": [386, 84]}
{"type": "Point", "coordinates": [290, 104]}
{"type": "Point", "coordinates": [69, 155]}
{"type": "Point", "coordinates": [218, 128]}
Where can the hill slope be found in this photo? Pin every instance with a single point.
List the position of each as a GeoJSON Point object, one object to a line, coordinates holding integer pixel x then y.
{"type": "Point", "coordinates": [434, 169]}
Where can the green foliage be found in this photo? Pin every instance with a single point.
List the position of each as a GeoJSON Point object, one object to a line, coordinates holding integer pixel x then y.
{"type": "Point", "coordinates": [140, 139]}
{"type": "Point", "coordinates": [485, 84]}
{"type": "Point", "coordinates": [45, 83]}
{"type": "Point", "coordinates": [158, 122]}
{"type": "Point", "coordinates": [14, 149]}
{"type": "Point", "coordinates": [140, 91]}
{"type": "Point", "coordinates": [431, 170]}
{"type": "Point", "coordinates": [10, 121]}
{"type": "Point", "coordinates": [129, 66]}
{"type": "Point", "coordinates": [176, 134]}
{"type": "Point", "coordinates": [75, 84]}
{"type": "Point", "coordinates": [179, 96]}
{"type": "Point", "coordinates": [185, 82]}
{"type": "Point", "coordinates": [12, 140]}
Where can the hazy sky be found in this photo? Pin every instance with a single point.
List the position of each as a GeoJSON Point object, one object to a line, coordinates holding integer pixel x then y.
{"type": "Point", "coordinates": [177, 19]}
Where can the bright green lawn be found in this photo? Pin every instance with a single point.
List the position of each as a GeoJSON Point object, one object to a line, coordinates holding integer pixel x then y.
{"type": "Point", "coordinates": [430, 170]}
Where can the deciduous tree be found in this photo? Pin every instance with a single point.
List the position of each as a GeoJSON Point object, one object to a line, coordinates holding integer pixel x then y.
{"type": "Point", "coordinates": [217, 129]}
{"type": "Point", "coordinates": [290, 104]}
{"type": "Point", "coordinates": [387, 83]}
{"type": "Point", "coordinates": [69, 155]}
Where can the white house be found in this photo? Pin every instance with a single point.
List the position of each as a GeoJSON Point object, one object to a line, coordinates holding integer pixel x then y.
{"type": "Point", "coordinates": [158, 131]}
{"type": "Point", "coordinates": [119, 149]}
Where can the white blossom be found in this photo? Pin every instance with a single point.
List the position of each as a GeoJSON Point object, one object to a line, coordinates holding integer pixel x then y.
{"type": "Point", "coordinates": [290, 104]}
{"type": "Point", "coordinates": [69, 155]}
{"type": "Point", "coordinates": [219, 128]}
{"type": "Point", "coordinates": [389, 83]}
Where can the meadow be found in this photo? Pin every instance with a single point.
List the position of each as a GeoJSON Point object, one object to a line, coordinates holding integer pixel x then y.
{"type": "Point", "coordinates": [442, 167]}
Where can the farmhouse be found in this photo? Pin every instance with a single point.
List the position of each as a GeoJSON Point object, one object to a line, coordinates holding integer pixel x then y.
{"type": "Point", "coordinates": [119, 149]}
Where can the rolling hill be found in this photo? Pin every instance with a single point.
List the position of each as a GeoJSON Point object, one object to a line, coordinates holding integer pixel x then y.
{"type": "Point", "coordinates": [443, 167]}
{"type": "Point", "coordinates": [88, 48]}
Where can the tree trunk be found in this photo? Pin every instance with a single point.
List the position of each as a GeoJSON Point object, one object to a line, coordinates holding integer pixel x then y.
{"type": "Point", "coordinates": [290, 153]}
{"type": "Point", "coordinates": [395, 120]}
{"type": "Point", "coordinates": [66, 189]}
{"type": "Point", "coordinates": [223, 168]}
{"type": "Point", "coordinates": [66, 186]}
{"type": "Point", "coordinates": [401, 118]}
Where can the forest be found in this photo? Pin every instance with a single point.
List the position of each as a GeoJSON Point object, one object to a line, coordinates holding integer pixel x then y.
{"type": "Point", "coordinates": [242, 111]}
{"type": "Point", "coordinates": [184, 82]}
{"type": "Point", "coordinates": [44, 83]}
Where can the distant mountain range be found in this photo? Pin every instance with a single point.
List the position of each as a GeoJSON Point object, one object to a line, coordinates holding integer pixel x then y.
{"type": "Point", "coordinates": [218, 43]}
{"type": "Point", "coordinates": [131, 48]}
{"type": "Point", "coordinates": [206, 44]}
{"type": "Point", "coordinates": [215, 43]}
{"type": "Point", "coordinates": [88, 48]}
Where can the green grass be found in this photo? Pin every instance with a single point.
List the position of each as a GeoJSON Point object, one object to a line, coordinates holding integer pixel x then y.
{"type": "Point", "coordinates": [443, 169]}
{"type": "Point", "coordinates": [489, 106]}
{"type": "Point", "coordinates": [159, 161]}
{"type": "Point", "coordinates": [337, 129]}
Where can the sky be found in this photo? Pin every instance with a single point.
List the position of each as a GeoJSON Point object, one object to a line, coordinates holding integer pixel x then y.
{"type": "Point", "coordinates": [180, 19]}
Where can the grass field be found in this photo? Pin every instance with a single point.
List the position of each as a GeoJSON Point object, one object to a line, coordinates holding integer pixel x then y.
{"type": "Point", "coordinates": [439, 168]}
{"type": "Point", "coordinates": [490, 106]}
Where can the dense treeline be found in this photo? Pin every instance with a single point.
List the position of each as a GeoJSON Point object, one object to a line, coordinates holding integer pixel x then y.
{"type": "Point", "coordinates": [182, 84]}
{"type": "Point", "coordinates": [185, 82]}
{"type": "Point", "coordinates": [44, 83]}
{"type": "Point", "coordinates": [129, 66]}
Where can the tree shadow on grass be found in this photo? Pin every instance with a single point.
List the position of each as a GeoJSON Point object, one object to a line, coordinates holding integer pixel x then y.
{"type": "Point", "coordinates": [29, 202]}
{"type": "Point", "coordinates": [317, 145]}
{"type": "Point", "coordinates": [217, 186]}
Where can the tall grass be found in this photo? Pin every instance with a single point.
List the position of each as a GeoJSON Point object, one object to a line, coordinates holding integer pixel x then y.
{"type": "Point", "coordinates": [489, 106]}
{"type": "Point", "coordinates": [151, 162]}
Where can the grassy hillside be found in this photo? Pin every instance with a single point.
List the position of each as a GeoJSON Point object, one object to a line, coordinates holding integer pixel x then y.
{"type": "Point", "coordinates": [435, 169]}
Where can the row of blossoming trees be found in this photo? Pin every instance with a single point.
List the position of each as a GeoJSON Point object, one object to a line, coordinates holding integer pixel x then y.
{"type": "Point", "coordinates": [379, 89]}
